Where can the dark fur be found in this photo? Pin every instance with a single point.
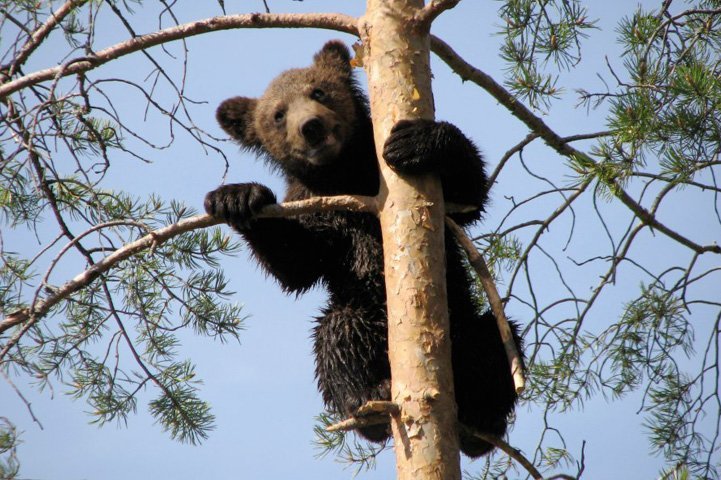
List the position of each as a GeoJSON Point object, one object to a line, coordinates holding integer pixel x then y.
{"type": "Point", "coordinates": [313, 126]}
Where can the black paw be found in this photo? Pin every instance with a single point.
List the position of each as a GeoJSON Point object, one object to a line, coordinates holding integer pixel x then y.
{"type": "Point", "coordinates": [238, 204]}
{"type": "Point", "coordinates": [411, 146]}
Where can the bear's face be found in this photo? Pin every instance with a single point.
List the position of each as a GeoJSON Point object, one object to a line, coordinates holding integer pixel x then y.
{"type": "Point", "coordinates": [305, 117]}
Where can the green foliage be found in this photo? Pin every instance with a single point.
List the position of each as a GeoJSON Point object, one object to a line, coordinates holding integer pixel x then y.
{"type": "Point", "coordinates": [116, 342]}
{"type": "Point", "coordinates": [347, 447]}
{"type": "Point", "coordinates": [179, 409]}
{"type": "Point", "coordinates": [668, 106]}
{"type": "Point", "coordinates": [555, 457]}
{"type": "Point", "coordinates": [14, 275]}
{"type": "Point", "coordinates": [537, 33]}
{"type": "Point", "coordinates": [157, 294]}
{"type": "Point", "coordinates": [501, 253]}
{"type": "Point", "coordinates": [9, 465]}
{"type": "Point", "coordinates": [652, 328]}
{"type": "Point", "coordinates": [663, 113]}
{"type": "Point", "coordinates": [20, 203]}
{"type": "Point", "coordinates": [494, 466]}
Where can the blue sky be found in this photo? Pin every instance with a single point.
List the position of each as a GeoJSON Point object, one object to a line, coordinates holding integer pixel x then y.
{"type": "Point", "coordinates": [262, 390]}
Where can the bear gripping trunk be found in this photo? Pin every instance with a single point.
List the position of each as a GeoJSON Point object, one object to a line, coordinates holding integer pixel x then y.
{"type": "Point", "coordinates": [396, 58]}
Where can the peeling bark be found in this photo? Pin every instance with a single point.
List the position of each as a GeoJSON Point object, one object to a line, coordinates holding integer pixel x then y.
{"type": "Point", "coordinates": [396, 56]}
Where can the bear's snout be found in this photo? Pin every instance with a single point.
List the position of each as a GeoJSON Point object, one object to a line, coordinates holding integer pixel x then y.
{"type": "Point", "coordinates": [314, 131]}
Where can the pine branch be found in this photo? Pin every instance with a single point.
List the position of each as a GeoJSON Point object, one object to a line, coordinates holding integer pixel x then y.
{"type": "Point", "coordinates": [468, 72]}
{"type": "Point", "coordinates": [649, 219]}
{"type": "Point", "coordinates": [39, 36]}
{"type": "Point", "coordinates": [560, 144]}
{"type": "Point", "coordinates": [31, 315]}
{"type": "Point", "coordinates": [41, 307]}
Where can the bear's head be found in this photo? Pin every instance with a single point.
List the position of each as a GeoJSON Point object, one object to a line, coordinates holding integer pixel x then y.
{"type": "Point", "coordinates": [305, 118]}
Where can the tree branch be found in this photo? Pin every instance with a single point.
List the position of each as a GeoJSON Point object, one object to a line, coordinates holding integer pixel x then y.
{"type": "Point", "coordinates": [330, 21]}
{"type": "Point", "coordinates": [353, 423]}
{"type": "Point", "coordinates": [468, 72]}
{"type": "Point", "coordinates": [39, 36]}
{"type": "Point", "coordinates": [373, 412]}
{"type": "Point", "coordinates": [429, 13]}
{"type": "Point", "coordinates": [517, 148]}
{"type": "Point", "coordinates": [511, 452]}
{"type": "Point", "coordinates": [479, 264]}
{"type": "Point", "coordinates": [649, 219]}
{"type": "Point", "coordinates": [31, 315]}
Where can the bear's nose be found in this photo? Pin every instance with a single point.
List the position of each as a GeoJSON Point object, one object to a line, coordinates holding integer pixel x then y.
{"type": "Point", "coordinates": [313, 131]}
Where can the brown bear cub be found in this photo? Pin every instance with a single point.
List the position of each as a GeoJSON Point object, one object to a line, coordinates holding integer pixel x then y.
{"type": "Point", "coordinates": [313, 126]}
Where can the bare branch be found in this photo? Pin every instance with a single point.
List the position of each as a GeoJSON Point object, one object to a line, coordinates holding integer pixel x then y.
{"type": "Point", "coordinates": [468, 72]}
{"type": "Point", "coordinates": [334, 21]}
{"type": "Point", "coordinates": [479, 264]}
{"type": "Point", "coordinates": [27, 403]}
{"type": "Point", "coordinates": [39, 36]}
{"type": "Point", "coordinates": [374, 412]}
{"type": "Point", "coordinates": [587, 136]}
{"type": "Point", "coordinates": [357, 422]}
{"type": "Point", "coordinates": [543, 226]}
{"type": "Point", "coordinates": [649, 219]}
{"type": "Point", "coordinates": [517, 148]}
{"type": "Point", "coordinates": [510, 451]}
{"type": "Point", "coordinates": [429, 13]}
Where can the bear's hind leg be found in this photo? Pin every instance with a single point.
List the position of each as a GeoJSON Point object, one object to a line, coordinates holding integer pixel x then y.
{"type": "Point", "coordinates": [352, 361]}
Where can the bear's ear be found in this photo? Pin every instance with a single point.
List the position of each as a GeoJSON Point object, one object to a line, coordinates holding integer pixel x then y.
{"type": "Point", "coordinates": [236, 117]}
{"type": "Point", "coordinates": [334, 53]}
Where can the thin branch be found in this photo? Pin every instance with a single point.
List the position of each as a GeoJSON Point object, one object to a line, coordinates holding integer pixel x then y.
{"type": "Point", "coordinates": [27, 403]}
{"type": "Point", "coordinates": [649, 219]}
{"type": "Point", "coordinates": [544, 227]}
{"type": "Point", "coordinates": [334, 21]}
{"type": "Point", "coordinates": [39, 36]}
{"type": "Point", "coordinates": [429, 13]}
{"type": "Point", "coordinates": [353, 423]}
{"type": "Point", "coordinates": [157, 237]}
{"type": "Point", "coordinates": [468, 72]}
{"type": "Point", "coordinates": [517, 148]}
{"type": "Point", "coordinates": [139, 361]}
{"type": "Point", "coordinates": [510, 451]}
{"type": "Point", "coordinates": [373, 407]}
{"type": "Point", "coordinates": [374, 412]}
{"type": "Point", "coordinates": [587, 136]}
{"type": "Point", "coordinates": [479, 264]}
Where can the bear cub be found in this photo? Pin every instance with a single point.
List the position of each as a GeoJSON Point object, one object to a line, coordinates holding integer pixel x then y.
{"type": "Point", "coordinates": [312, 125]}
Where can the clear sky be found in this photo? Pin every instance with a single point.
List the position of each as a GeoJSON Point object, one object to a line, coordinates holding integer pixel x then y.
{"type": "Point", "coordinates": [262, 390]}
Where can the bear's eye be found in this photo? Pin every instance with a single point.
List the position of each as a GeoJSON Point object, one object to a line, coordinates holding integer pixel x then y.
{"type": "Point", "coordinates": [318, 95]}
{"type": "Point", "coordinates": [279, 116]}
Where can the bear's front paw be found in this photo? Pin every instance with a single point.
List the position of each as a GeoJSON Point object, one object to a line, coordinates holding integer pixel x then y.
{"type": "Point", "coordinates": [238, 204]}
{"type": "Point", "coordinates": [410, 146]}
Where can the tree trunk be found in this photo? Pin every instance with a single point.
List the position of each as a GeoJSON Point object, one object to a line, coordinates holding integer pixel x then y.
{"type": "Point", "coordinates": [397, 60]}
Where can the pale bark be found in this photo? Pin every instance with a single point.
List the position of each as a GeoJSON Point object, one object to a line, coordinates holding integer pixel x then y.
{"type": "Point", "coordinates": [396, 57]}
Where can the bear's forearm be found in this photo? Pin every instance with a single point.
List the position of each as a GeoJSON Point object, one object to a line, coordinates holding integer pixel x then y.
{"type": "Point", "coordinates": [290, 253]}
